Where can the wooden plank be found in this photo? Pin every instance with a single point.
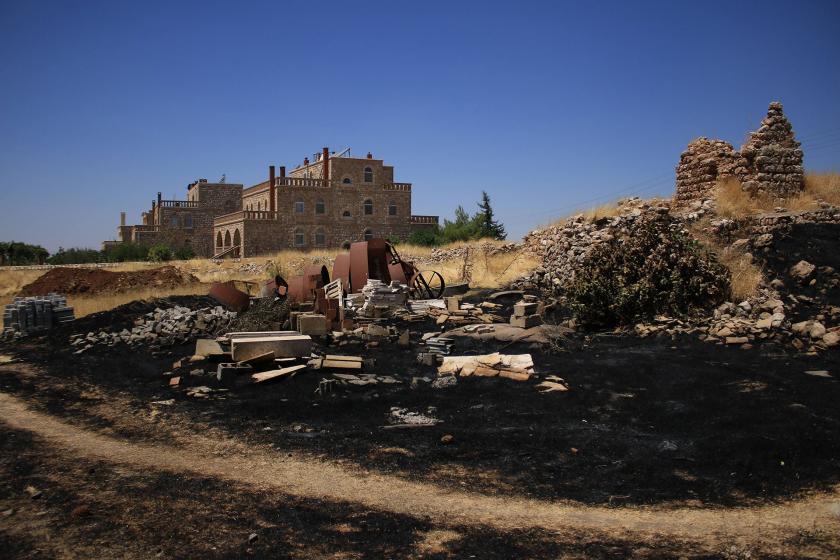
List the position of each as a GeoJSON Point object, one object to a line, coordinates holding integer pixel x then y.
{"type": "Point", "coordinates": [334, 357]}
{"type": "Point", "coordinates": [276, 373]}
{"type": "Point", "coordinates": [341, 364]}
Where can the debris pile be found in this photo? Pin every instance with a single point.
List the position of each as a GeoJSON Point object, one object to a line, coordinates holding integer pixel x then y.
{"type": "Point", "coordinates": [519, 367]}
{"type": "Point", "coordinates": [381, 299]}
{"type": "Point", "coordinates": [73, 281]}
{"type": "Point", "coordinates": [160, 328]}
{"type": "Point", "coordinates": [621, 269]}
{"type": "Point", "coordinates": [35, 314]}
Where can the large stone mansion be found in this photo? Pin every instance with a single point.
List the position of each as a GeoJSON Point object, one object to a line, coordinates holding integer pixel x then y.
{"type": "Point", "coordinates": [327, 202]}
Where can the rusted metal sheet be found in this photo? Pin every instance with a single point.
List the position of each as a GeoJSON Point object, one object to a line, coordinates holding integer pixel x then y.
{"type": "Point", "coordinates": [228, 295]}
{"type": "Point", "coordinates": [341, 270]}
{"type": "Point", "coordinates": [302, 288]}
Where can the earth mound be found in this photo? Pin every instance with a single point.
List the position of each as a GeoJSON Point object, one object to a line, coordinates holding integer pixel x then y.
{"type": "Point", "coordinates": [74, 281]}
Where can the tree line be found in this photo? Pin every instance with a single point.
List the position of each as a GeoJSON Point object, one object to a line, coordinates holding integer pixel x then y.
{"type": "Point", "coordinates": [15, 253]}
{"type": "Point", "coordinates": [482, 224]}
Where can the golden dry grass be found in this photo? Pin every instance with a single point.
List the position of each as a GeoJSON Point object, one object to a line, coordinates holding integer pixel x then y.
{"type": "Point", "coordinates": [732, 202]}
{"type": "Point", "coordinates": [85, 305]}
{"type": "Point", "coordinates": [746, 275]}
{"type": "Point", "coordinates": [485, 272]}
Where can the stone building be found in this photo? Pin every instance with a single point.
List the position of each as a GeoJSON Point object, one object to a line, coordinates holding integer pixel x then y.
{"type": "Point", "coordinates": [327, 202]}
{"type": "Point", "coordinates": [769, 163]}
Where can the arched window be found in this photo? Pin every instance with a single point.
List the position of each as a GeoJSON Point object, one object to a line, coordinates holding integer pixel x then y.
{"type": "Point", "coordinates": [237, 239]}
{"type": "Point", "coordinates": [219, 239]}
{"type": "Point", "coordinates": [227, 239]}
{"type": "Point", "coordinates": [392, 208]}
{"type": "Point", "coordinates": [188, 221]}
{"type": "Point", "coordinates": [173, 221]}
{"type": "Point", "coordinates": [368, 234]}
{"type": "Point", "coordinates": [320, 207]}
{"type": "Point", "coordinates": [347, 181]}
{"type": "Point", "coordinates": [320, 238]}
{"type": "Point", "coordinates": [299, 207]}
{"type": "Point", "coordinates": [300, 238]}
{"type": "Point", "coordinates": [368, 175]}
{"type": "Point", "coordinates": [368, 206]}
{"type": "Point", "coordinates": [346, 214]}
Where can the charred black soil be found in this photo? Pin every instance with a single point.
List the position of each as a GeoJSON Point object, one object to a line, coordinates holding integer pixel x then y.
{"type": "Point", "coordinates": [644, 422]}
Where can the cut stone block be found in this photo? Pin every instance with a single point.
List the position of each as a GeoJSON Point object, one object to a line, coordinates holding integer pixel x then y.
{"type": "Point", "coordinates": [526, 322]}
{"type": "Point", "coordinates": [289, 346]}
{"type": "Point", "coordinates": [523, 309]}
{"type": "Point", "coordinates": [314, 325]}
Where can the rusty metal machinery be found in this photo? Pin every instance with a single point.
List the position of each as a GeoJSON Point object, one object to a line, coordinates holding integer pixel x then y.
{"type": "Point", "coordinates": [379, 260]}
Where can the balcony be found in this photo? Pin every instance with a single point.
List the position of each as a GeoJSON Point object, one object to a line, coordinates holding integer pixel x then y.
{"type": "Point", "coordinates": [246, 215]}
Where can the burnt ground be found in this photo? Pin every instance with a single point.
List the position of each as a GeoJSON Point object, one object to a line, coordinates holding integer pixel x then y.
{"type": "Point", "coordinates": [657, 422]}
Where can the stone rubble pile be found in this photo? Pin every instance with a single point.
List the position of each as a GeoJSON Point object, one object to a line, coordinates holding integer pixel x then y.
{"type": "Point", "coordinates": [35, 314]}
{"type": "Point", "coordinates": [160, 328]}
{"type": "Point", "coordinates": [464, 251]}
{"type": "Point", "coordinates": [562, 247]}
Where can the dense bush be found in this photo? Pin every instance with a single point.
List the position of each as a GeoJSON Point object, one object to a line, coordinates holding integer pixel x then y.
{"type": "Point", "coordinates": [655, 268]}
{"type": "Point", "coordinates": [160, 253]}
{"type": "Point", "coordinates": [183, 254]}
{"type": "Point", "coordinates": [126, 252]}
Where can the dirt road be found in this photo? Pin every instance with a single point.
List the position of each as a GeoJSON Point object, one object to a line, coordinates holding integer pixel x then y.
{"type": "Point", "coordinates": [308, 478]}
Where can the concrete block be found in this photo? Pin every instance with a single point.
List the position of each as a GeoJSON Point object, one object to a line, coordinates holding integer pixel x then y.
{"type": "Point", "coordinates": [313, 324]}
{"type": "Point", "coordinates": [290, 346]}
{"type": "Point", "coordinates": [526, 322]}
{"type": "Point", "coordinates": [226, 373]}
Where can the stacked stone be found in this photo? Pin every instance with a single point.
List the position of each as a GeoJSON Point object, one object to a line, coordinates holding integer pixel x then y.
{"type": "Point", "coordinates": [702, 165]}
{"type": "Point", "coordinates": [773, 157]}
{"type": "Point", "coordinates": [35, 314]}
{"type": "Point", "coordinates": [160, 328]}
{"type": "Point", "coordinates": [563, 247]}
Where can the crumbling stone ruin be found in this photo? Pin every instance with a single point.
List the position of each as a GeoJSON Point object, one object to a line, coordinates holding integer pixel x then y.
{"type": "Point", "coordinates": [769, 163]}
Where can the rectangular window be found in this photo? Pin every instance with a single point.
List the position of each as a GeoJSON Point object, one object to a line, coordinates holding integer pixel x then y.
{"type": "Point", "coordinates": [320, 207]}
{"type": "Point", "coordinates": [320, 238]}
{"type": "Point", "coordinates": [299, 207]}
{"type": "Point", "coordinates": [392, 210]}
{"type": "Point", "coordinates": [300, 239]}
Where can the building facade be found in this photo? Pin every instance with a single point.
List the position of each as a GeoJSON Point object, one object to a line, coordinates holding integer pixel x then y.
{"type": "Point", "coordinates": [327, 202]}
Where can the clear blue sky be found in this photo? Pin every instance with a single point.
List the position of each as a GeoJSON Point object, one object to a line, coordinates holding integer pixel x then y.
{"type": "Point", "coordinates": [548, 106]}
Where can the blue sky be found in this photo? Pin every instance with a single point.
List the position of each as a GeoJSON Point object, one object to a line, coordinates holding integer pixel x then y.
{"type": "Point", "coordinates": [549, 106]}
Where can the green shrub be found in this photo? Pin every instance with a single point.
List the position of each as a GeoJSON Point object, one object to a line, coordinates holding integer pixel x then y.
{"type": "Point", "coordinates": [160, 253]}
{"type": "Point", "coordinates": [424, 237]}
{"type": "Point", "coordinates": [127, 252]}
{"type": "Point", "coordinates": [184, 254]}
{"type": "Point", "coordinates": [655, 268]}
{"type": "Point", "coordinates": [16, 253]}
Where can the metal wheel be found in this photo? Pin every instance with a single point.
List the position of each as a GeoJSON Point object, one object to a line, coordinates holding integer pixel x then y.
{"type": "Point", "coordinates": [427, 284]}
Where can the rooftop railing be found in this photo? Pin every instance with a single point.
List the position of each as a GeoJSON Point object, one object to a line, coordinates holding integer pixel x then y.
{"type": "Point", "coordinates": [179, 204]}
{"type": "Point", "coordinates": [424, 219]}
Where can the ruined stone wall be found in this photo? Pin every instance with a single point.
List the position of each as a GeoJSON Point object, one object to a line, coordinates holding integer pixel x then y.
{"type": "Point", "coordinates": [769, 163]}
{"type": "Point", "coordinates": [773, 157]}
{"type": "Point", "coordinates": [701, 166]}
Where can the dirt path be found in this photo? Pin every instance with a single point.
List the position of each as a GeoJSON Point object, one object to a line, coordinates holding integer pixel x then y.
{"type": "Point", "coordinates": [310, 478]}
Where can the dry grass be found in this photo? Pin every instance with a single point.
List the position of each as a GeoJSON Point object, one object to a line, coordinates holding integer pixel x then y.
{"type": "Point", "coordinates": [85, 305]}
{"type": "Point", "coordinates": [746, 275]}
{"type": "Point", "coordinates": [732, 202]}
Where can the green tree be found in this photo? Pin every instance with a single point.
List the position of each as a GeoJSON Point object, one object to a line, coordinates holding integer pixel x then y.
{"type": "Point", "coordinates": [488, 226]}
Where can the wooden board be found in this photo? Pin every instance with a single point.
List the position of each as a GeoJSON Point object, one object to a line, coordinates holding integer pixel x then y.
{"type": "Point", "coordinates": [275, 373]}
